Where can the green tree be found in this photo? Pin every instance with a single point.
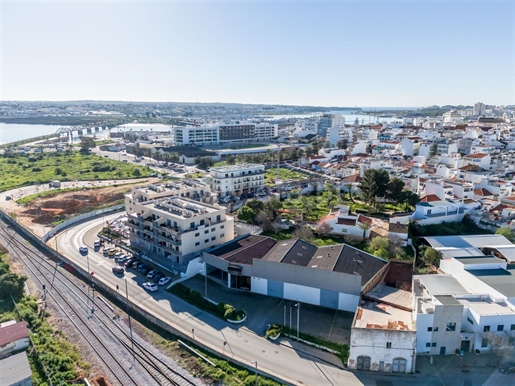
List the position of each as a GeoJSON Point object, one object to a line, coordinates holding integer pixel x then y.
{"type": "Point", "coordinates": [506, 232]}
{"type": "Point", "coordinates": [245, 213]}
{"type": "Point", "coordinates": [433, 150]}
{"type": "Point", "coordinates": [364, 226]}
{"type": "Point", "coordinates": [394, 190]}
{"type": "Point", "coordinates": [272, 206]}
{"type": "Point", "coordinates": [86, 144]}
{"type": "Point", "coordinates": [409, 198]}
{"type": "Point", "coordinates": [11, 284]}
{"type": "Point", "coordinates": [386, 248]}
{"type": "Point", "coordinates": [230, 159]}
{"type": "Point", "coordinates": [342, 144]}
{"type": "Point", "coordinates": [374, 184]}
{"type": "Point", "coordinates": [255, 205]}
{"type": "Point", "coordinates": [430, 255]}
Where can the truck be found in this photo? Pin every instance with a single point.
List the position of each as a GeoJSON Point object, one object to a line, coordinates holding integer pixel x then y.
{"type": "Point", "coordinates": [54, 184]}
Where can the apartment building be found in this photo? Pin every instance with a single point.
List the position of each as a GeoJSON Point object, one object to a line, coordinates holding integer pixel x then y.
{"type": "Point", "coordinates": [223, 133]}
{"type": "Point", "coordinates": [193, 189]}
{"type": "Point", "coordinates": [236, 179]}
{"type": "Point", "coordinates": [178, 228]}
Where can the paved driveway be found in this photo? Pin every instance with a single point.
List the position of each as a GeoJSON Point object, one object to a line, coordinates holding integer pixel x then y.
{"type": "Point", "coordinates": [326, 323]}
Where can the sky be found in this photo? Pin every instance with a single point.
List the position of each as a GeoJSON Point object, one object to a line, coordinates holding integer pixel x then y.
{"type": "Point", "coordinates": [340, 53]}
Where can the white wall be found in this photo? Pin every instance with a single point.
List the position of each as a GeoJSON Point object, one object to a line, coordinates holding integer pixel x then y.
{"type": "Point", "coordinates": [259, 285]}
{"type": "Point", "coordinates": [348, 302]}
{"type": "Point", "coordinates": [302, 293]}
{"type": "Point", "coordinates": [423, 336]}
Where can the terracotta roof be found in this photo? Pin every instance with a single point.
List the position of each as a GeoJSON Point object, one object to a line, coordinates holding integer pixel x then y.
{"type": "Point", "coordinates": [328, 217]}
{"type": "Point", "coordinates": [346, 221]}
{"type": "Point", "coordinates": [13, 332]}
{"type": "Point", "coordinates": [472, 168]}
{"type": "Point", "coordinates": [353, 178]}
{"type": "Point", "coordinates": [482, 192]}
{"type": "Point", "coordinates": [364, 219]}
{"type": "Point", "coordinates": [430, 198]}
{"type": "Point", "coordinates": [477, 155]}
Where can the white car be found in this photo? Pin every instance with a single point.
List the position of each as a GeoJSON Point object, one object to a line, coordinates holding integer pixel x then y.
{"type": "Point", "coordinates": [83, 250]}
{"type": "Point", "coordinates": [151, 274]}
{"type": "Point", "coordinates": [164, 280]}
{"type": "Point", "coordinates": [150, 286]}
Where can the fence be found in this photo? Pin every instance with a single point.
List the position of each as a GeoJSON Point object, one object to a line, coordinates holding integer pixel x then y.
{"type": "Point", "coordinates": [82, 217]}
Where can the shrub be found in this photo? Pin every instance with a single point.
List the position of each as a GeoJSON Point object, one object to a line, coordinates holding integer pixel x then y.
{"type": "Point", "coordinates": [273, 330]}
{"type": "Point", "coordinates": [35, 170]}
{"type": "Point", "coordinates": [229, 311]}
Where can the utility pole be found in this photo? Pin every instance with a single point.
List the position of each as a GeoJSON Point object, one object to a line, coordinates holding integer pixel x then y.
{"type": "Point", "coordinates": [129, 316]}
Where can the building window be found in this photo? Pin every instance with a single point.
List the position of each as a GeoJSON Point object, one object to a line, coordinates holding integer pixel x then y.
{"type": "Point", "coordinates": [388, 344]}
{"type": "Point", "coordinates": [222, 227]}
{"type": "Point", "coordinates": [206, 231]}
{"type": "Point", "coordinates": [470, 320]}
{"type": "Point", "coordinates": [430, 329]}
{"type": "Point", "coordinates": [435, 329]}
{"type": "Point", "coordinates": [450, 327]}
{"type": "Point", "coordinates": [484, 342]}
{"type": "Point", "coordinates": [500, 327]}
{"type": "Point", "coordinates": [486, 328]}
{"type": "Point", "coordinates": [433, 344]}
{"type": "Point", "coordinates": [213, 229]}
{"type": "Point", "coordinates": [218, 218]}
{"type": "Point", "coordinates": [197, 244]}
{"type": "Point", "coordinates": [197, 234]}
{"type": "Point", "coordinates": [206, 241]}
{"type": "Point", "coordinates": [512, 327]}
{"type": "Point", "coordinates": [213, 238]}
{"type": "Point", "coordinates": [428, 344]}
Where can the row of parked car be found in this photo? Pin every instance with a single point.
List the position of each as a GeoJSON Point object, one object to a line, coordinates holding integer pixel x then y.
{"type": "Point", "coordinates": [144, 269]}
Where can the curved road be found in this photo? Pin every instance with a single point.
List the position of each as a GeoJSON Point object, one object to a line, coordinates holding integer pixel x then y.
{"type": "Point", "coordinates": [242, 344]}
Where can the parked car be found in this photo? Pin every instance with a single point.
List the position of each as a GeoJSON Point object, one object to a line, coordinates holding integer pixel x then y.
{"type": "Point", "coordinates": [150, 286]}
{"type": "Point", "coordinates": [121, 259]}
{"type": "Point", "coordinates": [145, 271]}
{"type": "Point", "coordinates": [83, 250]}
{"type": "Point", "coordinates": [158, 277]}
{"type": "Point", "coordinates": [164, 280]}
{"type": "Point", "coordinates": [105, 252]}
{"type": "Point", "coordinates": [118, 270]}
{"type": "Point", "coordinates": [508, 367]}
{"type": "Point", "coordinates": [135, 264]}
{"type": "Point", "coordinates": [129, 262]}
{"type": "Point", "coordinates": [151, 273]}
{"type": "Point", "coordinates": [96, 244]}
{"type": "Point", "coordinates": [141, 267]}
{"type": "Point", "coordinates": [111, 251]}
{"type": "Point", "coordinates": [117, 255]}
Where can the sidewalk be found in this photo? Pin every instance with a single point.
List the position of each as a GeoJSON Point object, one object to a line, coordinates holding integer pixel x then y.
{"type": "Point", "coordinates": [470, 362]}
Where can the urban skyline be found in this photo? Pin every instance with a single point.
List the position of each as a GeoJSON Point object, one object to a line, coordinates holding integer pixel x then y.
{"type": "Point", "coordinates": [319, 54]}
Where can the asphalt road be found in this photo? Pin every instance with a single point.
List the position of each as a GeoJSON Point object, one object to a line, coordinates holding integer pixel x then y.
{"type": "Point", "coordinates": [242, 344]}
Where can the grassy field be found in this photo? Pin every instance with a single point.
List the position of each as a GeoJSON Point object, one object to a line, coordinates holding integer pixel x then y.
{"type": "Point", "coordinates": [26, 170]}
{"type": "Point", "coordinates": [284, 174]}
{"type": "Point", "coordinates": [313, 207]}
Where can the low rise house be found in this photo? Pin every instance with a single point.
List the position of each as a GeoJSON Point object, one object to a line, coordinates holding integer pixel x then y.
{"type": "Point", "coordinates": [383, 333]}
{"type": "Point", "coordinates": [432, 210]}
{"type": "Point", "coordinates": [13, 337]}
{"type": "Point", "coordinates": [342, 222]}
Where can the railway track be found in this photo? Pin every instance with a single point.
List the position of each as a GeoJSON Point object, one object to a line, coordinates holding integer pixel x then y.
{"type": "Point", "coordinates": [80, 308]}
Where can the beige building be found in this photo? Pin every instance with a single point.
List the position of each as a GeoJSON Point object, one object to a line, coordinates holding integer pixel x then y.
{"type": "Point", "coordinates": [178, 228]}
{"type": "Point", "coordinates": [236, 179]}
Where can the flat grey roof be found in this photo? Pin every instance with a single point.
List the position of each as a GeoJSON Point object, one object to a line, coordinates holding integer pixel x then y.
{"type": "Point", "coordinates": [467, 241]}
{"type": "Point", "coordinates": [441, 284]}
{"type": "Point", "coordinates": [500, 280]}
{"type": "Point", "coordinates": [15, 369]}
{"type": "Point", "coordinates": [479, 260]}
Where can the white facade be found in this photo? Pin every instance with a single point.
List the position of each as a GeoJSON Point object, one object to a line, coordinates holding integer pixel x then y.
{"type": "Point", "coordinates": [236, 179]}
{"type": "Point", "coordinates": [344, 223]}
{"type": "Point", "coordinates": [437, 212]}
{"type": "Point", "coordinates": [178, 228]}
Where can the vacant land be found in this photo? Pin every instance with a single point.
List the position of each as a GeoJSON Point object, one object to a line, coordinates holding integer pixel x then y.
{"type": "Point", "coordinates": [23, 170]}
{"type": "Point", "coordinates": [284, 174]}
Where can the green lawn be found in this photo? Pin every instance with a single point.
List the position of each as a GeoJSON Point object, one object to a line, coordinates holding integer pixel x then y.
{"type": "Point", "coordinates": [284, 174]}
{"type": "Point", "coordinates": [26, 170]}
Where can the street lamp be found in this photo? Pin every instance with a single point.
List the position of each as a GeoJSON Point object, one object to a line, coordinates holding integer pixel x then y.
{"type": "Point", "coordinates": [255, 363]}
{"type": "Point", "coordinates": [204, 271]}
{"type": "Point", "coordinates": [298, 319]}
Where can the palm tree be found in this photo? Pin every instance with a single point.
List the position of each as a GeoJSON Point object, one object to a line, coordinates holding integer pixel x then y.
{"type": "Point", "coordinates": [364, 226]}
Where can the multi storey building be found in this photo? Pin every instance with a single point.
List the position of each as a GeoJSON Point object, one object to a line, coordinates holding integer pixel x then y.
{"type": "Point", "coordinates": [223, 133]}
{"type": "Point", "coordinates": [236, 179]}
{"type": "Point", "coordinates": [185, 188]}
{"type": "Point", "coordinates": [178, 228]}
